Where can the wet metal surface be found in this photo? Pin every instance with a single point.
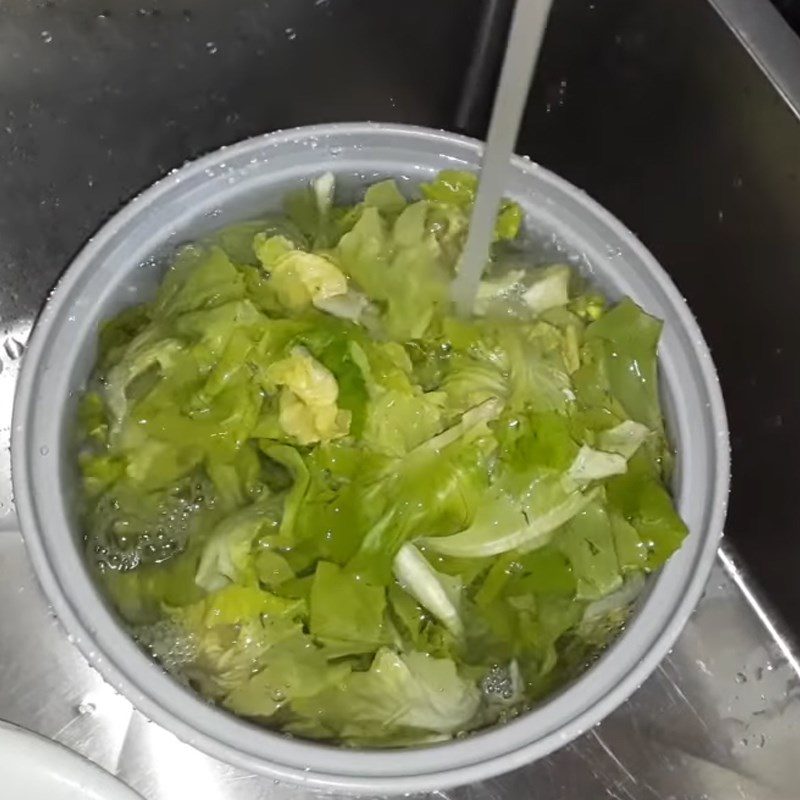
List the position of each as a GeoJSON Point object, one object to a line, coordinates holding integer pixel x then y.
{"type": "Point", "coordinates": [97, 99]}
{"type": "Point", "coordinates": [720, 719]}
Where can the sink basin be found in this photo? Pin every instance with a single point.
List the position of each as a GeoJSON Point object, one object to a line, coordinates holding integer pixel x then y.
{"type": "Point", "coordinates": [679, 117]}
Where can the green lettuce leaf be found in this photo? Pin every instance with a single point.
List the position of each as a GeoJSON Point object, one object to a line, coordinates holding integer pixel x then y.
{"type": "Point", "coordinates": [312, 212]}
{"type": "Point", "coordinates": [588, 542]}
{"type": "Point", "coordinates": [640, 498]}
{"type": "Point", "coordinates": [223, 639]}
{"type": "Point", "coordinates": [329, 505]}
{"type": "Point", "coordinates": [626, 339]}
{"type": "Point", "coordinates": [438, 593]}
{"type": "Point", "coordinates": [433, 490]}
{"type": "Point", "coordinates": [345, 608]}
{"type": "Point", "coordinates": [386, 197]}
{"type": "Point", "coordinates": [454, 191]}
{"type": "Point", "coordinates": [399, 268]}
{"type": "Point", "coordinates": [290, 458]}
{"type": "Point", "coordinates": [504, 524]}
{"type": "Point", "coordinates": [398, 415]}
{"type": "Point", "coordinates": [295, 669]}
{"type": "Point", "coordinates": [548, 289]}
{"type": "Point", "coordinates": [227, 557]}
{"type": "Point", "coordinates": [200, 278]}
{"type": "Point", "coordinates": [412, 691]}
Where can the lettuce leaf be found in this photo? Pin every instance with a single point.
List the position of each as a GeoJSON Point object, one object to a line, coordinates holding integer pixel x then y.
{"type": "Point", "coordinates": [454, 191]}
{"type": "Point", "coordinates": [642, 501]}
{"type": "Point", "coordinates": [226, 557]}
{"type": "Point", "coordinates": [328, 505]}
{"type": "Point", "coordinates": [408, 280]}
{"type": "Point", "coordinates": [626, 339]}
{"type": "Point", "coordinates": [200, 278]}
{"type": "Point", "coordinates": [345, 608]}
{"type": "Point", "coordinates": [398, 692]}
{"type": "Point", "coordinates": [295, 669]}
{"type": "Point", "coordinates": [436, 592]}
{"type": "Point", "coordinates": [433, 490]}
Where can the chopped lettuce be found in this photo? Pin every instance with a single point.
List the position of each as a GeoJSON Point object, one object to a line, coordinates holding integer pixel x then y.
{"type": "Point", "coordinates": [199, 279]}
{"type": "Point", "coordinates": [141, 355]}
{"type": "Point", "coordinates": [495, 293]}
{"type": "Point", "coordinates": [398, 693]}
{"type": "Point", "coordinates": [594, 465]}
{"type": "Point", "coordinates": [385, 196]}
{"type": "Point", "coordinates": [308, 411]}
{"type": "Point", "coordinates": [397, 265]}
{"type": "Point", "coordinates": [505, 524]}
{"type": "Point", "coordinates": [550, 289]}
{"type": "Point", "coordinates": [343, 607]}
{"type": "Point", "coordinates": [625, 340]}
{"type": "Point", "coordinates": [226, 556]}
{"type": "Point", "coordinates": [329, 505]}
{"type": "Point", "coordinates": [294, 669]}
{"type": "Point", "coordinates": [454, 191]}
{"type": "Point", "coordinates": [300, 279]}
{"type": "Point", "coordinates": [438, 593]}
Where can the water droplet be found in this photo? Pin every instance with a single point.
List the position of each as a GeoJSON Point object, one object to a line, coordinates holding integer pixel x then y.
{"type": "Point", "coordinates": [291, 34]}
{"type": "Point", "coordinates": [212, 48]}
{"type": "Point", "coordinates": [44, 450]}
{"type": "Point", "coordinates": [47, 37]}
{"type": "Point", "coordinates": [86, 707]}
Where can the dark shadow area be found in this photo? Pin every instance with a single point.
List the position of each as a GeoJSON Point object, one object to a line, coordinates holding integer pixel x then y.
{"type": "Point", "coordinates": [790, 9]}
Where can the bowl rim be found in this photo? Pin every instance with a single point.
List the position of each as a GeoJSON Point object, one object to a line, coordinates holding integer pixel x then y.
{"type": "Point", "coordinates": [412, 769]}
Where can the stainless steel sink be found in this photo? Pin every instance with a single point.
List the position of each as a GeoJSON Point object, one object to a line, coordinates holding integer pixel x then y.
{"type": "Point", "coordinates": [681, 116]}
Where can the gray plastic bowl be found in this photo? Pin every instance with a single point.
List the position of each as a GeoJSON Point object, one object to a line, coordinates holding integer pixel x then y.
{"type": "Point", "coordinates": [118, 268]}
